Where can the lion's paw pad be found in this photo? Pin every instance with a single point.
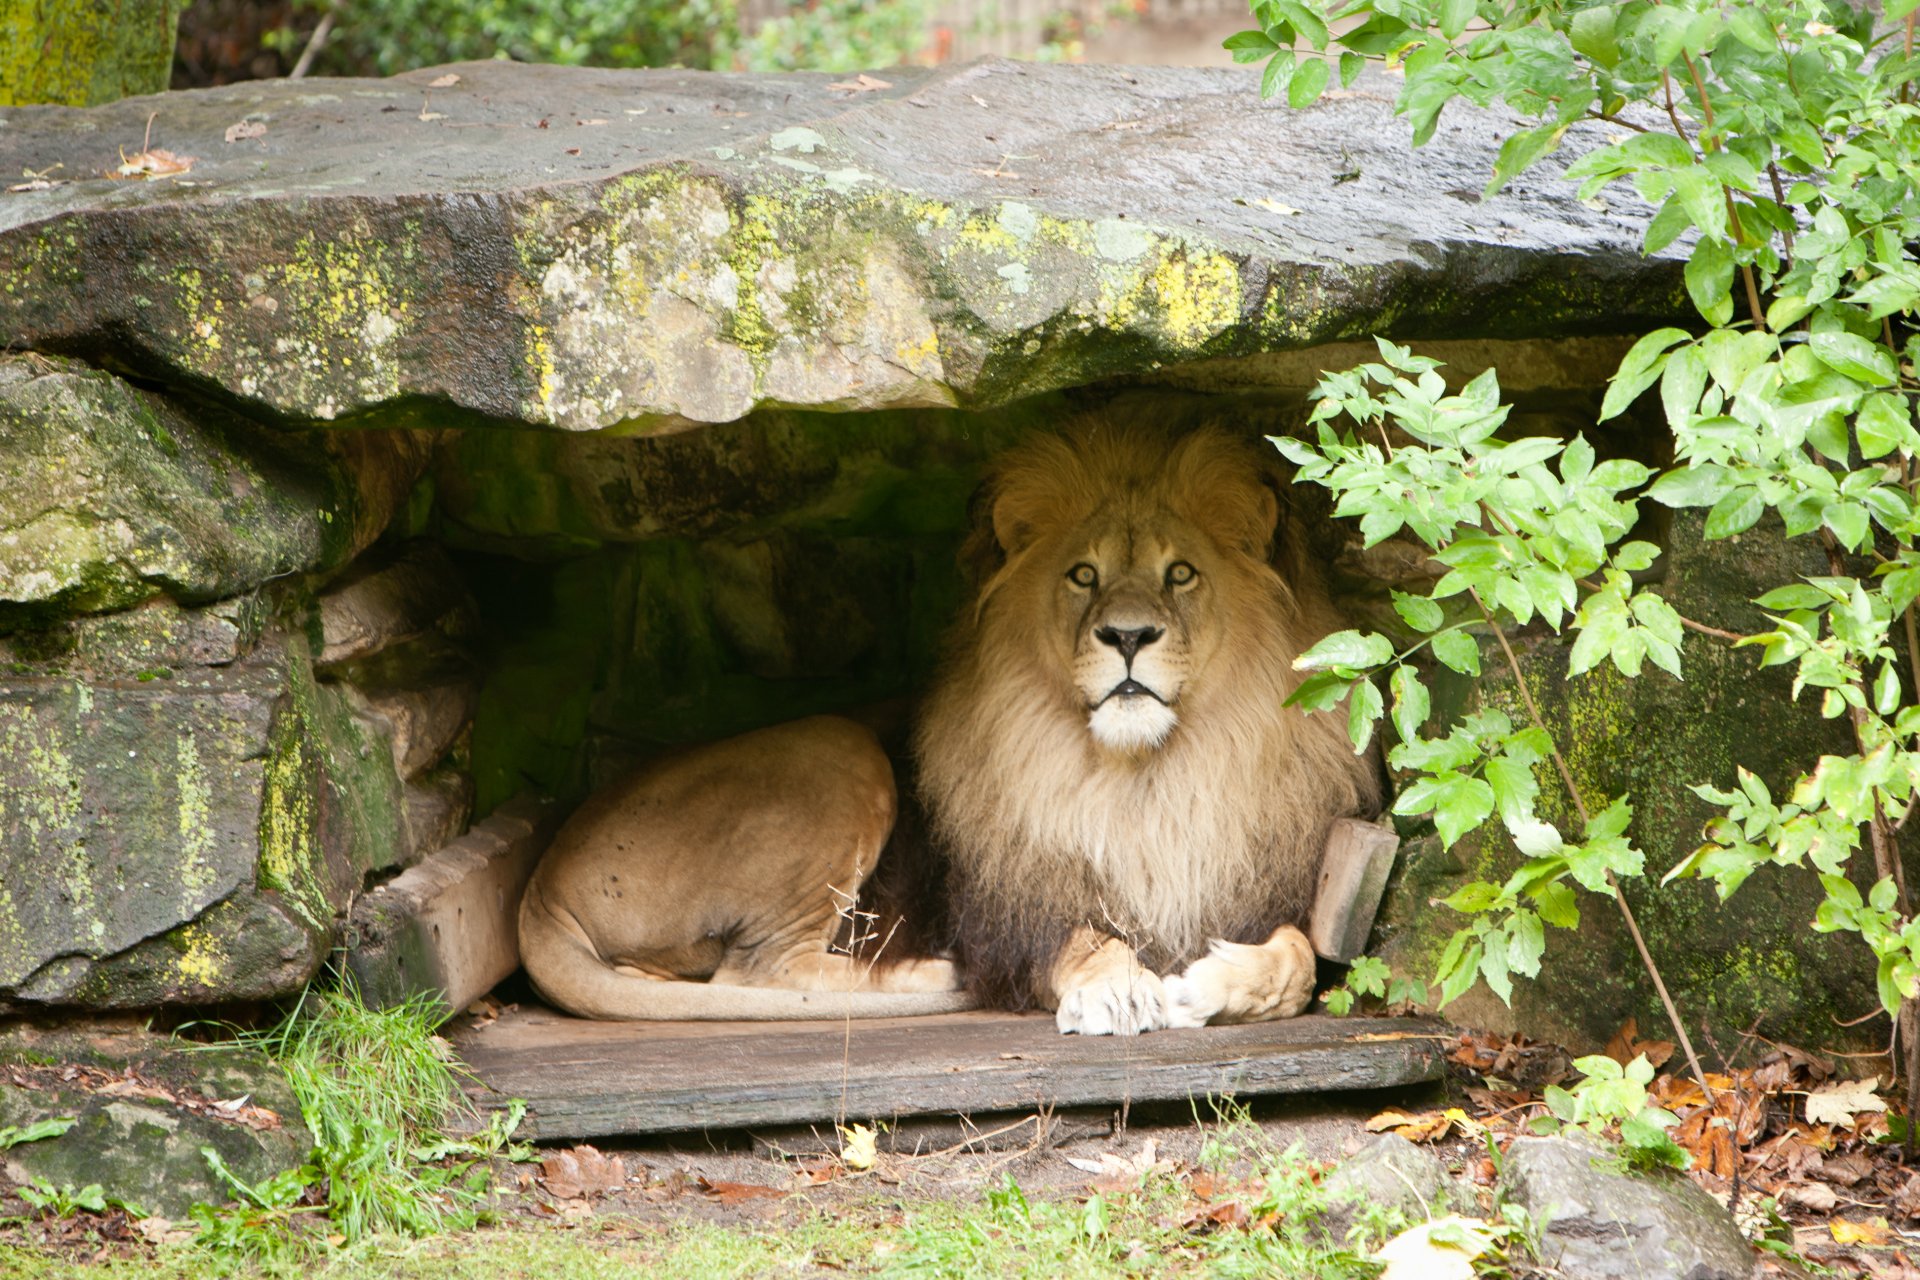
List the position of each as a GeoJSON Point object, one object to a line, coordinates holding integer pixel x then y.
{"type": "Point", "coordinates": [1122, 1006]}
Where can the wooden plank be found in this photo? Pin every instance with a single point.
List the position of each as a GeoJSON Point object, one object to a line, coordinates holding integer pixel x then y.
{"type": "Point", "coordinates": [1353, 876]}
{"type": "Point", "coordinates": [585, 1079]}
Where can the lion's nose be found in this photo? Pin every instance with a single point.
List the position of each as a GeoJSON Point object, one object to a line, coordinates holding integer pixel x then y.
{"type": "Point", "coordinates": [1128, 642]}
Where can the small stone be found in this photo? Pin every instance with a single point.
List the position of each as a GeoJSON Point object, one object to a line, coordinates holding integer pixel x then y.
{"type": "Point", "coordinates": [1599, 1222]}
{"type": "Point", "coordinates": [1391, 1173]}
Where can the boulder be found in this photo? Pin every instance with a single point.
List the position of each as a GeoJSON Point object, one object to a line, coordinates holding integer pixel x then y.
{"type": "Point", "coordinates": [1600, 1223]}
{"type": "Point", "coordinates": [110, 495]}
{"type": "Point", "coordinates": [1751, 961]}
{"type": "Point", "coordinates": [143, 1107]}
{"type": "Point", "coordinates": [183, 810]}
{"type": "Point", "coordinates": [583, 248]}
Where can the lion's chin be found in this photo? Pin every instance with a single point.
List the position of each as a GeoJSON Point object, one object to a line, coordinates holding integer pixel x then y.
{"type": "Point", "coordinates": [1132, 724]}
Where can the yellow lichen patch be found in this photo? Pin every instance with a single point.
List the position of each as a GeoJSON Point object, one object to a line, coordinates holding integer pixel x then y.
{"type": "Point", "coordinates": [202, 959]}
{"type": "Point", "coordinates": [1198, 295]}
{"type": "Point", "coordinates": [196, 825]}
{"type": "Point", "coordinates": [203, 313]}
{"type": "Point", "coordinates": [987, 236]}
{"type": "Point", "coordinates": [539, 359]}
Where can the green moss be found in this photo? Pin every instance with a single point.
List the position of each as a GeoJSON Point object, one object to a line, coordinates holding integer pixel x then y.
{"type": "Point", "coordinates": [80, 54]}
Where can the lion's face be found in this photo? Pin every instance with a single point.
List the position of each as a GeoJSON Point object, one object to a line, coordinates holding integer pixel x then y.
{"type": "Point", "coordinates": [1133, 610]}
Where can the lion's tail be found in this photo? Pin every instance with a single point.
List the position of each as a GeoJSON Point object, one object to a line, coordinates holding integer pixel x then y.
{"type": "Point", "coordinates": [570, 974]}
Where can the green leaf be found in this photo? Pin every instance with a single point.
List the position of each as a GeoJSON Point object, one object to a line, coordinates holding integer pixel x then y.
{"type": "Point", "coordinates": [1519, 152]}
{"type": "Point", "coordinates": [1705, 201]}
{"type": "Point", "coordinates": [1249, 46]}
{"type": "Point", "coordinates": [1454, 16]}
{"type": "Point", "coordinates": [1854, 356]}
{"type": "Point", "coordinates": [1303, 19]}
{"type": "Point", "coordinates": [1885, 424]}
{"type": "Point", "coordinates": [1351, 65]}
{"type": "Point", "coordinates": [1848, 521]}
{"type": "Point", "coordinates": [1410, 703]}
{"type": "Point", "coordinates": [1279, 71]}
{"type": "Point", "coordinates": [1471, 899]}
{"type": "Point", "coordinates": [1458, 651]}
{"type": "Point", "coordinates": [1640, 366]}
{"type": "Point", "coordinates": [1709, 276]}
{"type": "Point", "coordinates": [1309, 78]}
{"type": "Point", "coordinates": [1752, 30]}
{"type": "Point", "coordinates": [1735, 513]}
{"type": "Point", "coordinates": [1795, 596]}
{"type": "Point", "coordinates": [1592, 35]}
{"type": "Point", "coordinates": [1556, 905]}
{"type": "Point", "coordinates": [1363, 709]}
{"type": "Point", "coordinates": [1461, 804]}
{"type": "Point", "coordinates": [1350, 649]}
{"type": "Point", "coordinates": [1418, 612]}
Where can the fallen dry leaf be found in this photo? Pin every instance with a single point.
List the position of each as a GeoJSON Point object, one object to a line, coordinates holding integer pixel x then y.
{"type": "Point", "coordinates": [582, 1171]}
{"type": "Point", "coordinates": [1837, 1102]}
{"type": "Point", "coordinates": [157, 163]}
{"type": "Point", "coordinates": [1626, 1045]}
{"type": "Point", "coordinates": [1815, 1197]}
{"type": "Point", "coordinates": [859, 1146]}
{"type": "Point", "coordinates": [863, 83]}
{"type": "Point", "coordinates": [1428, 1126]}
{"type": "Point", "coordinates": [1874, 1233]}
{"type": "Point", "coordinates": [446, 81]}
{"type": "Point", "coordinates": [1118, 1173]}
{"type": "Point", "coordinates": [1443, 1249]}
{"type": "Point", "coordinates": [246, 129]}
{"type": "Point", "coordinates": [739, 1192]}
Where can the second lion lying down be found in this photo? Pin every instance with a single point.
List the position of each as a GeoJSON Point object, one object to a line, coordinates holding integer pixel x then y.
{"type": "Point", "coordinates": [1131, 819]}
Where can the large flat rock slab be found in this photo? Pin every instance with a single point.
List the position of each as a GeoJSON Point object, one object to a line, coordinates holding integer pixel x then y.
{"type": "Point", "coordinates": [586, 1079]}
{"type": "Point", "coordinates": [582, 248]}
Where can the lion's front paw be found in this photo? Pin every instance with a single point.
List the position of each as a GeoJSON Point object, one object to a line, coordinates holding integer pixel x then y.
{"type": "Point", "coordinates": [1194, 996]}
{"type": "Point", "coordinates": [1239, 982]}
{"type": "Point", "coordinates": [1121, 1003]}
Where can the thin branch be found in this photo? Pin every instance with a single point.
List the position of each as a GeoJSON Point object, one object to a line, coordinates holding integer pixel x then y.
{"type": "Point", "coordinates": [1580, 807]}
{"type": "Point", "coordinates": [1780, 198]}
{"type": "Point", "coordinates": [316, 42]}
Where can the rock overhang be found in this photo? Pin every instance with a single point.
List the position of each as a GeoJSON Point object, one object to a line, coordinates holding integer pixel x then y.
{"type": "Point", "coordinates": [644, 250]}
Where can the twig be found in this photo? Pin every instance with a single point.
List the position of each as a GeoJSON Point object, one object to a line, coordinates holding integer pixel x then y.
{"type": "Point", "coordinates": [1580, 807]}
{"type": "Point", "coordinates": [316, 42]}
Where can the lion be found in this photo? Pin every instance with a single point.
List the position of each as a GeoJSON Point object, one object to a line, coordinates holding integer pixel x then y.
{"type": "Point", "coordinates": [1132, 819]}
{"type": "Point", "coordinates": [721, 884]}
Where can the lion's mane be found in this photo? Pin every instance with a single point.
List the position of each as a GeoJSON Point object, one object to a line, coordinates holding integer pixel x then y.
{"type": "Point", "coordinates": [1218, 833]}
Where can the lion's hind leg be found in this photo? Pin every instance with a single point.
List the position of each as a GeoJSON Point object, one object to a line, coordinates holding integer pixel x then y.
{"type": "Point", "coordinates": [1244, 982]}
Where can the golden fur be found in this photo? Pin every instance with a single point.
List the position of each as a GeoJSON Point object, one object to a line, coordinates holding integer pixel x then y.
{"type": "Point", "coordinates": [1196, 812]}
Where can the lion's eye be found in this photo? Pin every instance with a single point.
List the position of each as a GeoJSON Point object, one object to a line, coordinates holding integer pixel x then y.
{"type": "Point", "coordinates": [1083, 575]}
{"type": "Point", "coordinates": [1180, 573]}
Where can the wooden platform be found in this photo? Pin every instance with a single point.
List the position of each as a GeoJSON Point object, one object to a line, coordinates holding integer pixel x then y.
{"type": "Point", "coordinates": [586, 1079]}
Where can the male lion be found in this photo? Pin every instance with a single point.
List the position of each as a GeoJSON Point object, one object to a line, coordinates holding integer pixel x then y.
{"type": "Point", "coordinates": [1106, 758]}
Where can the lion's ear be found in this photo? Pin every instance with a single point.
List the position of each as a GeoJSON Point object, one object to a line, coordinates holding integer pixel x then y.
{"type": "Point", "coordinates": [1266, 527]}
{"type": "Point", "coordinates": [981, 554]}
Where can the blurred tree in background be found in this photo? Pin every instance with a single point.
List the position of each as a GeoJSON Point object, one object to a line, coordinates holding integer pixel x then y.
{"type": "Point", "coordinates": [224, 40]}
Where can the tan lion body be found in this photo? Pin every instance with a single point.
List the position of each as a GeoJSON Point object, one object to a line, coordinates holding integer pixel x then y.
{"type": "Point", "coordinates": [711, 886]}
{"type": "Point", "coordinates": [1106, 759]}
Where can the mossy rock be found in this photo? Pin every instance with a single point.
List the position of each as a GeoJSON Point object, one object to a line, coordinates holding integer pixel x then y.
{"type": "Point", "coordinates": [183, 832]}
{"type": "Point", "coordinates": [1752, 961]}
{"type": "Point", "coordinates": [144, 1107]}
{"type": "Point", "coordinates": [688, 247]}
{"type": "Point", "coordinates": [81, 52]}
{"type": "Point", "coordinates": [110, 495]}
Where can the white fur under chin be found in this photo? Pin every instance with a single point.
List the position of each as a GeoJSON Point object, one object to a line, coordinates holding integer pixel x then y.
{"type": "Point", "coordinates": [1132, 724]}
